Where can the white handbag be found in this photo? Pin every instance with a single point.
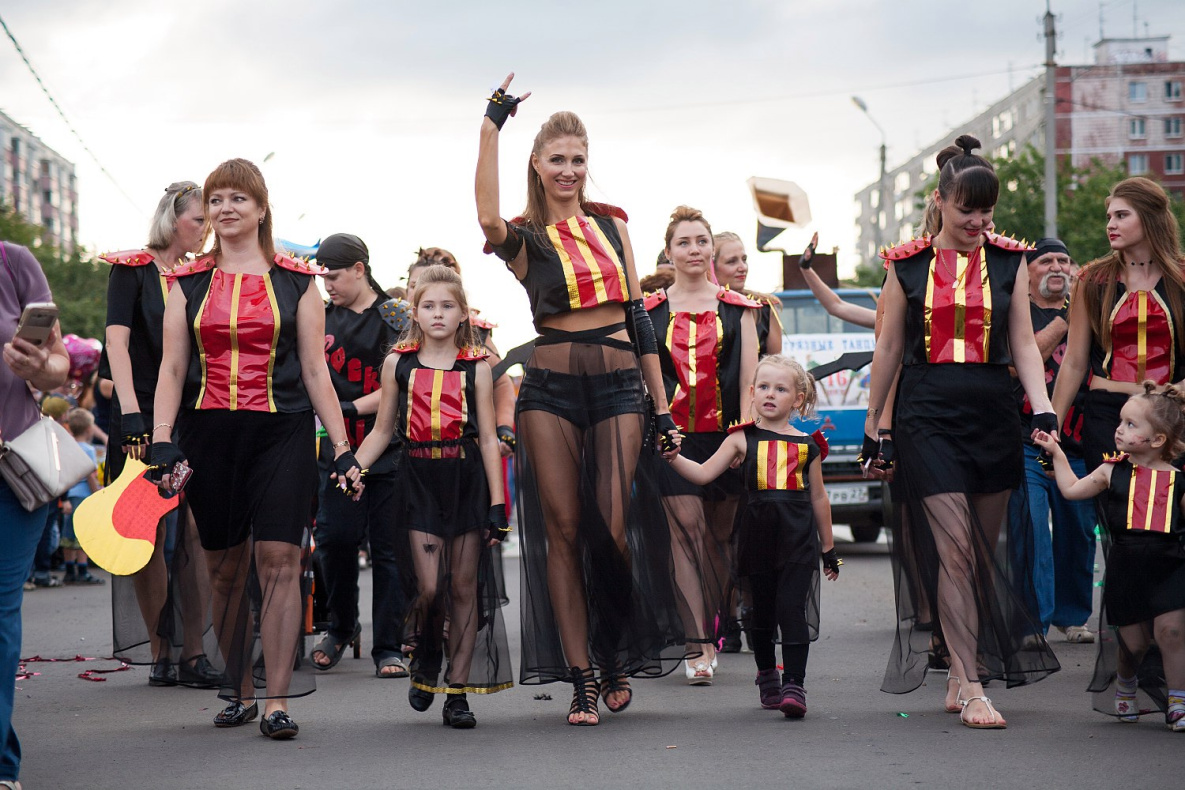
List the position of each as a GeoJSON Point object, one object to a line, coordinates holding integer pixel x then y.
{"type": "Point", "coordinates": [43, 463]}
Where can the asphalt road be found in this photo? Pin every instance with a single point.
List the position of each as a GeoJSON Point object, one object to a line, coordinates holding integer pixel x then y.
{"type": "Point", "coordinates": [358, 731]}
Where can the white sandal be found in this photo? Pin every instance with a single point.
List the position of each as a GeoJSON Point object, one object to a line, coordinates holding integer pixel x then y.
{"type": "Point", "coordinates": [698, 674]}
{"type": "Point", "coordinates": [996, 723]}
{"type": "Point", "coordinates": [958, 708]}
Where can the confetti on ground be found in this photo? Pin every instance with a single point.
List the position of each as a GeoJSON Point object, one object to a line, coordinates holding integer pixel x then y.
{"type": "Point", "coordinates": [672, 747]}
{"type": "Point", "coordinates": [542, 696]}
{"type": "Point", "coordinates": [903, 715]}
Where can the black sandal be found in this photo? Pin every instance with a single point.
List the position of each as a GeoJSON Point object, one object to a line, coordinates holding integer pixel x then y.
{"type": "Point", "coordinates": [615, 683]}
{"type": "Point", "coordinates": [335, 650]}
{"type": "Point", "coordinates": [584, 697]}
{"type": "Point", "coordinates": [457, 714]}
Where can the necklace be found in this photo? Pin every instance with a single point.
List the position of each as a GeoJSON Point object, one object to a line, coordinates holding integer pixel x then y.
{"type": "Point", "coordinates": [942, 259]}
{"type": "Point", "coordinates": [1139, 263]}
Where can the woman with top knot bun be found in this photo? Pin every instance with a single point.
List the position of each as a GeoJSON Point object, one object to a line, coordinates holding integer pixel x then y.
{"type": "Point", "coordinates": [956, 317]}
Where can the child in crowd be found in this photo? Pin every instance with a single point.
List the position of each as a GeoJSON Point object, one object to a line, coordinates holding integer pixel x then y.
{"type": "Point", "coordinates": [82, 427]}
{"type": "Point", "coordinates": [1142, 494]}
{"type": "Point", "coordinates": [437, 392]}
{"type": "Point", "coordinates": [784, 523]}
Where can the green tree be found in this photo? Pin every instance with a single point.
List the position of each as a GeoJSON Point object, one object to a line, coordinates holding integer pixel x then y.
{"type": "Point", "coordinates": [78, 281]}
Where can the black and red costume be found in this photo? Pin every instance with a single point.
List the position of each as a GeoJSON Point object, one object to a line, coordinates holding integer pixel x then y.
{"type": "Point", "coordinates": [137, 291]}
{"type": "Point", "coordinates": [957, 433]}
{"type": "Point", "coordinates": [1145, 344]}
{"type": "Point", "coordinates": [1145, 549]}
{"type": "Point", "coordinates": [444, 503]}
{"type": "Point", "coordinates": [581, 412]}
{"type": "Point", "coordinates": [246, 426]}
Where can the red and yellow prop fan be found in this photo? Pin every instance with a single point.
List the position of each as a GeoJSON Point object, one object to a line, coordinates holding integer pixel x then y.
{"type": "Point", "coordinates": [116, 526]}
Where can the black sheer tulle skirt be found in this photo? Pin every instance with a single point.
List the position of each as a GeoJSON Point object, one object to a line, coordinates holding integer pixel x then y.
{"type": "Point", "coordinates": [252, 494]}
{"type": "Point", "coordinates": [170, 597]}
{"type": "Point", "coordinates": [597, 581]}
{"type": "Point", "coordinates": [959, 463]}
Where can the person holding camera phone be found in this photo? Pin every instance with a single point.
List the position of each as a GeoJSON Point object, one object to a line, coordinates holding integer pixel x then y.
{"type": "Point", "coordinates": [42, 366]}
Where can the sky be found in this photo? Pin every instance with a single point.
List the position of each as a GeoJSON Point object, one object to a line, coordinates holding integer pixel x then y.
{"type": "Point", "coordinates": [371, 109]}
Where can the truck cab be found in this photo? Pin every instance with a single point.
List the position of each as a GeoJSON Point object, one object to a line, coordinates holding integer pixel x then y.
{"type": "Point", "coordinates": [813, 337]}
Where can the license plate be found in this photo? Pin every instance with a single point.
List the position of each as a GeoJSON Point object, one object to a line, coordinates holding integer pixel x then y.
{"type": "Point", "coordinates": [847, 495]}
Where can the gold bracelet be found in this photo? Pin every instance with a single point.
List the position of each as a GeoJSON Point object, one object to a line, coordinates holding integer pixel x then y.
{"type": "Point", "coordinates": [342, 443]}
{"type": "Point", "coordinates": [162, 425]}
{"type": "Point", "coordinates": [873, 412]}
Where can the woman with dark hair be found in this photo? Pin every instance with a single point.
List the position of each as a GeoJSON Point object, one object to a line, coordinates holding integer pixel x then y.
{"type": "Point", "coordinates": [708, 355]}
{"type": "Point", "coordinates": [950, 333]}
{"type": "Point", "coordinates": [597, 600]}
{"type": "Point", "coordinates": [1127, 314]}
{"type": "Point", "coordinates": [160, 609]}
{"type": "Point", "coordinates": [242, 375]}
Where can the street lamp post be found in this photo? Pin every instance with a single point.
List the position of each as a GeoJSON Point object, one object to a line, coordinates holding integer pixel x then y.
{"type": "Point", "coordinates": [881, 202]}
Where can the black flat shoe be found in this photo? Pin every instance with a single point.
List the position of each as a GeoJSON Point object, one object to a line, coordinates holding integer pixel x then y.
{"type": "Point", "coordinates": [457, 714]}
{"type": "Point", "coordinates": [199, 675]}
{"type": "Point", "coordinates": [236, 714]}
{"type": "Point", "coordinates": [278, 725]}
{"type": "Point", "coordinates": [162, 673]}
{"type": "Point", "coordinates": [418, 698]}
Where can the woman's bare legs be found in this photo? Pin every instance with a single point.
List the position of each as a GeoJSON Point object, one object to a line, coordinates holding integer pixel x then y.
{"type": "Point", "coordinates": [152, 585]}
{"type": "Point", "coordinates": [278, 567]}
{"type": "Point", "coordinates": [228, 605]}
{"type": "Point", "coordinates": [193, 587]}
{"type": "Point", "coordinates": [963, 561]}
{"type": "Point", "coordinates": [426, 616]}
{"type": "Point", "coordinates": [685, 515]}
{"type": "Point", "coordinates": [720, 517]}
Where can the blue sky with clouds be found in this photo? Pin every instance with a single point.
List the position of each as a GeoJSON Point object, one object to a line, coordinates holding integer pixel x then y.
{"type": "Point", "coordinates": [372, 108]}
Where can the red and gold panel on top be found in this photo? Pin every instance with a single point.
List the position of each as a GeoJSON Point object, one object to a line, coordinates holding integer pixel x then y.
{"type": "Point", "coordinates": [436, 411]}
{"type": "Point", "coordinates": [694, 340]}
{"type": "Point", "coordinates": [1149, 499]}
{"type": "Point", "coordinates": [592, 270]}
{"type": "Point", "coordinates": [781, 465]}
{"type": "Point", "coordinates": [958, 307]}
{"type": "Point", "coordinates": [237, 328]}
{"type": "Point", "coordinates": [1143, 345]}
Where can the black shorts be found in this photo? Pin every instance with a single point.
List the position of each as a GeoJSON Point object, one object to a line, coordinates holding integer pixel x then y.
{"type": "Point", "coordinates": [254, 474]}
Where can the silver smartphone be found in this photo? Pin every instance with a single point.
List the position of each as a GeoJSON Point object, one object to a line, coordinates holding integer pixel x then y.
{"type": "Point", "coordinates": [36, 324]}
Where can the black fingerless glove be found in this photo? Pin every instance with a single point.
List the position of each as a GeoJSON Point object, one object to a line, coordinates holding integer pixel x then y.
{"type": "Point", "coordinates": [343, 464]}
{"type": "Point", "coordinates": [807, 259]}
{"type": "Point", "coordinates": [500, 107]}
{"type": "Point", "coordinates": [162, 457]}
{"type": "Point", "coordinates": [498, 525]}
{"type": "Point", "coordinates": [887, 449]}
{"type": "Point", "coordinates": [1045, 461]}
{"type": "Point", "coordinates": [349, 410]}
{"type": "Point", "coordinates": [869, 451]}
{"type": "Point", "coordinates": [1045, 421]}
{"type": "Point", "coordinates": [663, 425]}
{"type": "Point", "coordinates": [133, 430]}
{"type": "Point", "coordinates": [640, 328]}
{"type": "Point", "coordinates": [506, 436]}
{"type": "Point", "coordinates": [831, 561]}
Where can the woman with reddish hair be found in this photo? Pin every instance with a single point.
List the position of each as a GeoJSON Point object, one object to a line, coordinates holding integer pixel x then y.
{"type": "Point", "coordinates": [242, 376]}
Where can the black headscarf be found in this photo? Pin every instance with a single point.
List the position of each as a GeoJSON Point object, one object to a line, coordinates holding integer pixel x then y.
{"type": "Point", "coordinates": [343, 250]}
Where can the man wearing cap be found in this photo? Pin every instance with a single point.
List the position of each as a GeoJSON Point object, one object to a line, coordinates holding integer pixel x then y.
{"type": "Point", "coordinates": [1062, 563]}
{"type": "Point", "coordinates": [361, 324]}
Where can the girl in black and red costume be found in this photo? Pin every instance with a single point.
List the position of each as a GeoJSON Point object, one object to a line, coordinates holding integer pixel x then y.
{"type": "Point", "coordinates": [708, 352]}
{"type": "Point", "coordinates": [598, 603]}
{"type": "Point", "coordinates": [437, 394]}
{"type": "Point", "coordinates": [242, 375]}
{"type": "Point", "coordinates": [1127, 314]}
{"type": "Point", "coordinates": [158, 614]}
{"type": "Point", "coordinates": [955, 318]}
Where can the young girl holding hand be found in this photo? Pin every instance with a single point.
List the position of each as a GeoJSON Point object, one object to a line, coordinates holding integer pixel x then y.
{"type": "Point", "coordinates": [1144, 595]}
{"type": "Point", "coordinates": [784, 522]}
{"type": "Point", "coordinates": [437, 391]}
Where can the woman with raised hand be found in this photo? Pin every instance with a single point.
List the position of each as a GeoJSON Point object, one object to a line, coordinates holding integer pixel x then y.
{"type": "Point", "coordinates": [598, 604]}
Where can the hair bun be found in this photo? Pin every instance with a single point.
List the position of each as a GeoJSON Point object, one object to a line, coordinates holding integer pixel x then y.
{"type": "Point", "coordinates": [968, 143]}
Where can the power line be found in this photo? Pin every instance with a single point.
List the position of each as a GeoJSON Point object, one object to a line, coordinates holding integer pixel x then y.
{"type": "Point", "coordinates": [65, 120]}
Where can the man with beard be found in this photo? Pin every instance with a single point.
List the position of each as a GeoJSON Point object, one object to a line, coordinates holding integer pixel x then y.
{"type": "Point", "coordinates": [1062, 563]}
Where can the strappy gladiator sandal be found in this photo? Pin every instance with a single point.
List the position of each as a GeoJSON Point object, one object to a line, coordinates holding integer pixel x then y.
{"type": "Point", "coordinates": [584, 697]}
{"type": "Point", "coordinates": [996, 723]}
{"type": "Point", "coordinates": [613, 684]}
